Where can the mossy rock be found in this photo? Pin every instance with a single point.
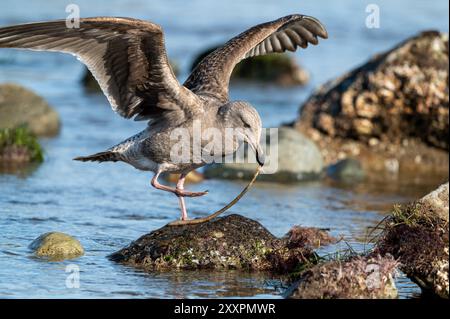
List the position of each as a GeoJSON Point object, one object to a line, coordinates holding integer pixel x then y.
{"type": "Point", "coordinates": [22, 107]}
{"type": "Point", "coordinates": [417, 234]}
{"type": "Point", "coordinates": [280, 69]}
{"type": "Point", "coordinates": [231, 242]}
{"type": "Point", "coordinates": [18, 147]}
{"type": "Point", "coordinates": [56, 246]}
{"type": "Point", "coordinates": [358, 277]}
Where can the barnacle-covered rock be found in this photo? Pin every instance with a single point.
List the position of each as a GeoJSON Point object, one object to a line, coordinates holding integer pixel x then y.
{"type": "Point", "coordinates": [231, 242]}
{"type": "Point", "coordinates": [394, 107]}
{"type": "Point", "coordinates": [417, 235]}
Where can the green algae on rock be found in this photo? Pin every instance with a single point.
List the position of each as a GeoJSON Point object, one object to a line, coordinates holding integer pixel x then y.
{"type": "Point", "coordinates": [359, 277]}
{"type": "Point", "coordinates": [56, 246]}
{"type": "Point", "coordinates": [230, 242]}
{"type": "Point", "coordinates": [294, 158]}
{"type": "Point", "coordinates": [18, 146]}
{"type": "Point", "coordinates": [281, 69]}
{"type": "Point", "coordinates": [417, 234]}
{"type": "Point", "coordinates": [21, 107]}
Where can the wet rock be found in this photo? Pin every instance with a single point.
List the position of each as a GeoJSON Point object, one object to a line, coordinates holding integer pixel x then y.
{"type": "Point", "coordinates": [230, 242]}
{"type": "Point", "coordinates": [308, 237]}
{"type": "Point", "coordinates": [356, 278]}
{"type": "Point", "coordinates": [91, 84]}
{"type": "Point", "coordinates": [417, 235]}
{"type": "Point", "coordinates": [298, 159]}
{"type": "Point", "coordinates": [346, 170]}
{"type": "Point", "coordinates": [281, 69]}
{"type": "Point", "coordinates": [191, 178]}
{"type": "Point", "coordinates": [21, 107]}
{"type": "Point", "coordinates": [18, 147]}
{"type": "Point", "coordinates": [57, 246]}
{"type": "Point", "coordinates": [394, 107]}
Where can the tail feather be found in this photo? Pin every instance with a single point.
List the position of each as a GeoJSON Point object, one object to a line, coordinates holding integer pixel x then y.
{"type": "Point", "coordinates": [106, 156]}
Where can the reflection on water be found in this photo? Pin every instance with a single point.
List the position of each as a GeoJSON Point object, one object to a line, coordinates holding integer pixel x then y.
{"type": "Point", "coordinates": [108, 205]}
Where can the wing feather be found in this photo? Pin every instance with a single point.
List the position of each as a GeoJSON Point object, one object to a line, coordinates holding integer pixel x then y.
{"type": "Point", "coordinates": [126, 56]}
{"type": "Point", "coordinates": [212, 75]}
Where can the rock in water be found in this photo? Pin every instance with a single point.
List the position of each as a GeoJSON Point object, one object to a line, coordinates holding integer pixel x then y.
{"type": "Point", "coordinates": [393, 108]}
{"type": "Point", "coordinates": [298, 159]}
{"type": "Point", "coordinates": [347, 170]}
{"type": "Point", "coordinates": [417, 235]}
{"type": "Point", "coordinates": [17, 148]}
{"type": "Point", "coordinates": [21, 107]}
{"type": "Point", "coordinates": [57, 246]}
{"type": "Point", "coordinates": [356, 278]}
{"type": "Point", "coordinates": [281, 69]}
{"type": "Point", "coordinates": [230, 242]}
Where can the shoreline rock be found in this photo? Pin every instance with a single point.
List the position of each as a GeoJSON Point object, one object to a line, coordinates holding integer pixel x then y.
{"type": "Point", "coordinates": [18, 148]}
{"type": "Point", "coordinates": [280, 69]}
{"type": "Point", "coordinates": [230, 242]}
{"type": "Point", "coordinates": [21, 107]}
{"type": "Point", "coordinates": [392, 113]}
{"type": "Point", "coordinates": [356, 278]}
{"type": "Point", "coordinates": [417, 235]}
{"type": "Point", "coordinates": [56, 246]}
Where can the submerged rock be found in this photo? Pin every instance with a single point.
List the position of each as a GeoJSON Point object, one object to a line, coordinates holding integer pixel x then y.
{"type": "Point", "coordinates": [355, 278]}
{"type": "Point", "coordinates": [57, 246]}
{"type": "Point", "coordinates": [297, 159]}
{"type": "Point", "coordinates": [417, 235]}
{"type": "Point", "coordinates": [347, 170]}
{"type": "Point", "coordinates": [394, 108]}
{"type": "Point", "coordinates": [230, 242]}
{"type": "Point", "coordinates": [281, 69]}
{"type": "Point", "coordinates": [191, 178]}
{"type": "Point", "coordinates": [21, 107]}
{"type": "Point", "coordinates": [18, 147]}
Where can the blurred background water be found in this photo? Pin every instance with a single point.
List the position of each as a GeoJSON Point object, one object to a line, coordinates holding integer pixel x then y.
{"type": "Point", "coordinates": [107, 206]}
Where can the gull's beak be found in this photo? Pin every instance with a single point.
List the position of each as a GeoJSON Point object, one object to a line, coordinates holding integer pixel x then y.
{"type": "Point", "coordinates": [256, 146]}
{"type": "Point", "coordinates": [260, 158]}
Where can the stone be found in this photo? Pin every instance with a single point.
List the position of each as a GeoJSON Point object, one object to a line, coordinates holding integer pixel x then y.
{"type": "Point", "coordinates": [280, 69]}
{"type": "Point", "coordinates": [230, 242]}
{"type": "Point", "coordinates": [417, 235]}
{"type": "Point", "coordinates": [192, 178]}
{"type": "Point", "coordinates": [346, 170]}
{"type": "Point", "coordinates": [298, 159]}
{"type": "Point", "coordinates": [359, 277]}
{"type": "Point", "coordinates": [18, 147]}
{"type": "Point", "coordinates": [56, 246]}
{"type": "Point", "coordinates": [398, 97]}
{"type": "Point", "coordinates": [21, 107]}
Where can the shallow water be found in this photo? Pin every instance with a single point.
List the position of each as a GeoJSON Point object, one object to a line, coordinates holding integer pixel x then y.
{"type": "Point", "coordinates": [107, 206]}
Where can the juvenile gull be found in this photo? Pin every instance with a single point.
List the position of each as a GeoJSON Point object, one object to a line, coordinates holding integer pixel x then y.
{"type": "Point", "coordinates": [128, 59]}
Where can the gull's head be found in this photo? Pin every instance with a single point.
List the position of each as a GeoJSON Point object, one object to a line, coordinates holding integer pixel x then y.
{"type": "Point", "coordinates": [248, 125]}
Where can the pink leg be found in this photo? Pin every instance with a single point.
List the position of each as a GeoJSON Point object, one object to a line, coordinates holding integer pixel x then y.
{"type": "Point", "coordinates": [180, 187]}
{"type": "Point", "coordinates": [176, 191]}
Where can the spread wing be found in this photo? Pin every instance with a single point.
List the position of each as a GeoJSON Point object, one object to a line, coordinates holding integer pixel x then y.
{"type": "Point", "coordinates": [126, 56]}
{"type": "Point", "coordinates": [212, 75]}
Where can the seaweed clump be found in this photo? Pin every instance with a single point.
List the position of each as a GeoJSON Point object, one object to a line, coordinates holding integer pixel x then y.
{"type": "Point", "coordinates": [356, 277]}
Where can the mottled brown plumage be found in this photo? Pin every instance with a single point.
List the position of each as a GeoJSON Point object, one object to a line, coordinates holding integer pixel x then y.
{"type": "Point", "coordinates": [128, 59]}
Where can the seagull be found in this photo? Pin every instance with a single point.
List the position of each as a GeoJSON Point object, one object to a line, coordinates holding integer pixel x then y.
{"type": "Point", "coordinates": [128, 59]}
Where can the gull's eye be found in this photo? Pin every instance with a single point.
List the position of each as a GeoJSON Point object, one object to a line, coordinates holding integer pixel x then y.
{"type": "Point", "coordinates": [246, 125]}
